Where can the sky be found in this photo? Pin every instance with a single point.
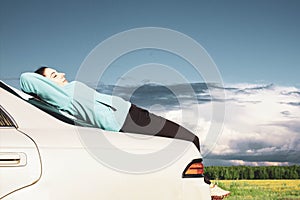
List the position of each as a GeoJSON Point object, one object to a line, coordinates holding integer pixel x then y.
{"type": "Point", "coordinates": [255, 45]}
{"type": "Point", "coordinates": [249, 41]}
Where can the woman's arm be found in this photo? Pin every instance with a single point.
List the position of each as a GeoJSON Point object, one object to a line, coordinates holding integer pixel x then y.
{"type": "Point", "coordinates": [45, 89]}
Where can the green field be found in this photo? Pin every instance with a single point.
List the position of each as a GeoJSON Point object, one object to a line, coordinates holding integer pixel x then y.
{"type": "Point", "coordinates": [261, 189]}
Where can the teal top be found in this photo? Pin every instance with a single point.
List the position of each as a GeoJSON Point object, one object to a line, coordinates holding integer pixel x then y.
{"type": "Point", "coordinates": [84, 103]}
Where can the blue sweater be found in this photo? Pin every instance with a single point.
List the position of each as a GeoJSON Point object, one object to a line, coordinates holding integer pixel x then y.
{"type": "Point", "coordinates": [84, 103]}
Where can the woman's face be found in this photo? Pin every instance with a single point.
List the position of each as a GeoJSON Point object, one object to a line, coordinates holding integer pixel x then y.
{"type": "Point", "coordinates": [55, 76]}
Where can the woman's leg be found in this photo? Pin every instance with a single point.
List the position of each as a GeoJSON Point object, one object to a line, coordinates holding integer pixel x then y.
{"type": "Point", "coordinates": [141, 121]}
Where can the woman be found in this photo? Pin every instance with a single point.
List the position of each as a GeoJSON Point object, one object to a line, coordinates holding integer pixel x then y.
{"type": "Point", "coordinates": [100, 110]}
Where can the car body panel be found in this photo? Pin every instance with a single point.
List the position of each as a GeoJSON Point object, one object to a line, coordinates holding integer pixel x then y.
{"type": "Point", "coordinates": [81, 162]}
{"type": "Point", "coordinates": [20, 164]}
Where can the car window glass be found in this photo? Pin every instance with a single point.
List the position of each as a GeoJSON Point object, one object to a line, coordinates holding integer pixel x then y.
{"type": "Point", "coordinates": [5, 121]}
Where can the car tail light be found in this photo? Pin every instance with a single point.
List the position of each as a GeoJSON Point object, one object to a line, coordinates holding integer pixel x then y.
{"type": "Point", "coordinates": [194, 169]}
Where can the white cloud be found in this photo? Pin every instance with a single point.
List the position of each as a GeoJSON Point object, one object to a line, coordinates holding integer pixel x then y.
{"type": "Point", "coordinates": [260, 120]}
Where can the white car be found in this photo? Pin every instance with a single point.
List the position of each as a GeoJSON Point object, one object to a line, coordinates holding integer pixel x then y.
{"type": "Point", "coordinates": [43, 155]}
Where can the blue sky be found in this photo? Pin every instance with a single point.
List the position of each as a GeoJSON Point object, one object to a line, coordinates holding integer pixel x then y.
{"type": "Point", "coordinates": [250, 41]}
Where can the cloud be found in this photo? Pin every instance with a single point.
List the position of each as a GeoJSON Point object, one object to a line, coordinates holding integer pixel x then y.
{"type": "Point", "coordinates": [262, 125]}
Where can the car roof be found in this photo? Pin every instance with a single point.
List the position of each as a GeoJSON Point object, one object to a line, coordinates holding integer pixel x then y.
{"type": "Point", "coordinates": [44, 106]}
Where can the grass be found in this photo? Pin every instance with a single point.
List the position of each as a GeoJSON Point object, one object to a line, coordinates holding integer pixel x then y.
{"type": "Point", "coordinates": [261, 189]}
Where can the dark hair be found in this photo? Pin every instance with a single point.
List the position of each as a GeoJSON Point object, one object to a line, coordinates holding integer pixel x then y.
{"type": "Point", "coordinates": [40, 70]}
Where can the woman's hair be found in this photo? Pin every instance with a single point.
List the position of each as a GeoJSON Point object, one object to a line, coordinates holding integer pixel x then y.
{"type": "Point", "coordinates": [40, 70]}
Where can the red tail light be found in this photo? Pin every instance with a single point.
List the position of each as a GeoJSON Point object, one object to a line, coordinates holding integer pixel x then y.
{"type": "Point", "coordinates": [194, 169]}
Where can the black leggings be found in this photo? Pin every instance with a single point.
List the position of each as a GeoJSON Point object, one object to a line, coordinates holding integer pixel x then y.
{"type": "Point", "coordinates": [141, 121]}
